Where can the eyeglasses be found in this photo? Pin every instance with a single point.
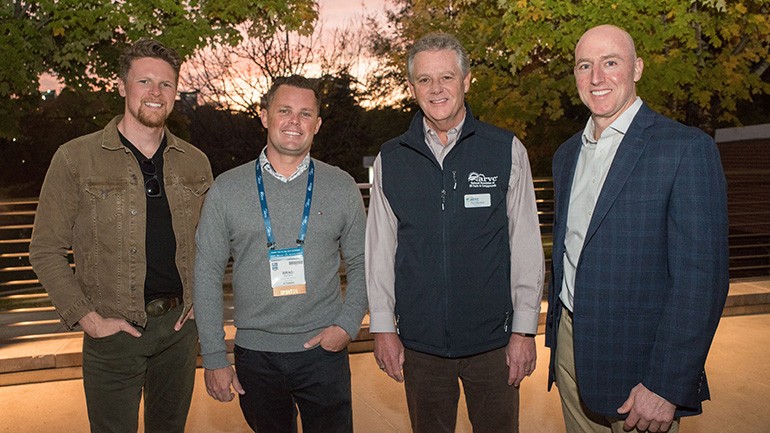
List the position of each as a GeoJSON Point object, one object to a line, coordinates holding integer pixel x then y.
{"type": "Point", "coordinates": [151, 185]}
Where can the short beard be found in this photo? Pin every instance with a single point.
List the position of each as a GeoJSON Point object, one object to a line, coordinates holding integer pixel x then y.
{"type": "Point", "coordinates": [149, 120]}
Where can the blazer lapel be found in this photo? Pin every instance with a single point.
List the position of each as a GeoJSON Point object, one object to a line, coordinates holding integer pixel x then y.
{"type": "Point", "coordinates": [629, 151]}
{"type": "Point", "coordinates": [563, 190]}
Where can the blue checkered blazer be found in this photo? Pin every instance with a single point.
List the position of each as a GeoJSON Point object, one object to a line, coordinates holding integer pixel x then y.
{"type": "Point", "coordinates": [652, 278]}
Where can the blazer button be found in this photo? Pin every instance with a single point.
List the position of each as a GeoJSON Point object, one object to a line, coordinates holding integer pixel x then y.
{"type": "Point", "coordinates": [133, 250]}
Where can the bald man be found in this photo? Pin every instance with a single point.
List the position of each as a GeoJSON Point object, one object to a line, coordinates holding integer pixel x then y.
{"type": "Point", "coordinates": [640, 259]}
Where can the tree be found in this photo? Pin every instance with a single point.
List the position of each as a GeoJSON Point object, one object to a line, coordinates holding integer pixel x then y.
{"type": "Point", "coordinates": [228, 138]}
{"type": "Point", "coordinates": [79, 41]}
{"type": "Point", "coordinates": [75, 112]}
{"type": "Point", "coordinates": [235, 77]}
{"type": "Point", "coordinates": [702, 57]}
{"type": "Point", "coordinates": [348, 132]}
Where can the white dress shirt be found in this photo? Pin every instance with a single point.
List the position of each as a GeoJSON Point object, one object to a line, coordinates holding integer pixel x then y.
{"type": "Point", "coordinates": [593, 164]}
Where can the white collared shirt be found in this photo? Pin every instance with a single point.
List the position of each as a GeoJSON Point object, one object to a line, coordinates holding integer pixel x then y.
{"type": "Point", "coordinates": [267, 167]}
{"type": "Point", "coordinates": [593, 164]}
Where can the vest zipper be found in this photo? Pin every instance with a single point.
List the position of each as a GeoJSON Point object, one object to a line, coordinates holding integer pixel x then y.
{"type": "Point", "coordinates": [444, 224]}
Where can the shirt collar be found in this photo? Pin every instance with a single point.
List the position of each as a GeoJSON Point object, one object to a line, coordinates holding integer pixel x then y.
{"type": "Point", "coordinates": [619, 126]}
{"type": "Point", "coordinates": [433, 142]}
{"type": "Point", "coordinates": [266, 166]}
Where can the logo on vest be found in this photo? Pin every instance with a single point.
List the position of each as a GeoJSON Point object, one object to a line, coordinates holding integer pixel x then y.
{"type": "Point", "coordinates": [478, 180]}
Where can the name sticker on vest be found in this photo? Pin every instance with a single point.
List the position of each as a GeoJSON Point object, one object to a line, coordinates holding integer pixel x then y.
{"type": "Point", "coordinates": [477, 200]}
{"type": "Point", "coordinates": [287, 271]}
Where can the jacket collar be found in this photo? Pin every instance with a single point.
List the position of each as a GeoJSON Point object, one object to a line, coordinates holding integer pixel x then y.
{"type": "Point", "coordinates": [630, 150]}
{"type": "Point", "coordinates": [111, 139]}
{"type": "Point", "coordinates": [414, 137]}
{"type": "Point", "coordinates": [626, 158]}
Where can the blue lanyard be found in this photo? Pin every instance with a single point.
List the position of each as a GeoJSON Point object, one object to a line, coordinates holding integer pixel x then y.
{"type": "Point", "coordinates": [305, 212]}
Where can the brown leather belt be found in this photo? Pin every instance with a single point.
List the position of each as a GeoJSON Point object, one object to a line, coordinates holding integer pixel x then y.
{"type": "Point", "coordinates": [159, 307]}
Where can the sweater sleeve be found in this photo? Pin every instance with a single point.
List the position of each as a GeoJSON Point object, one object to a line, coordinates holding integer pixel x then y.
{"type": "Point", "coordinates": [352, 249]}
{"type": "Point", "coordinates": [213, 252]}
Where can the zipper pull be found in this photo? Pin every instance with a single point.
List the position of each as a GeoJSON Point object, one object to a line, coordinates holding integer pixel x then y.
{"type": "Point", "coordinates": [443, 199]}
{"type": "Point", "coordinates": [454, 179]}
{"type": "Point", "coordinates": [507, 315]}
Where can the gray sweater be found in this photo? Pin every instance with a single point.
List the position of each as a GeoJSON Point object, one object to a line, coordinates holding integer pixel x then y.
{"type": "Point", "coordinates": [231, 224]}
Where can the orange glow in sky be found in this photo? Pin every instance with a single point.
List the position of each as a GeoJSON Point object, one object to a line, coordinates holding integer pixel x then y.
{"type": "Point", "coordinates": [333, 14]}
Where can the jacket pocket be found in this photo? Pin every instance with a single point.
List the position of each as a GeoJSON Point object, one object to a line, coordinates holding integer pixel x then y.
{"type": "Point", "coordinates": [196, 187]}
{"type": "Point", "coordinates": [106, 197]}
{"type": "Point", "coordinates": [193, 193]}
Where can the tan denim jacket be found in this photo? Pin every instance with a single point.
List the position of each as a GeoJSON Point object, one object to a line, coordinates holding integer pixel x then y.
{"type": "Point", "coordinates": [93, 200]}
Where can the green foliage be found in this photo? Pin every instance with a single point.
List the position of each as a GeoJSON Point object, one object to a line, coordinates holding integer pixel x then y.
{"type": "Point", "coordinates": [75, 112]}
{"type": "Point", "coordinates": [702, 57]}
{"type": "Point", "coordinates": [79, 41]}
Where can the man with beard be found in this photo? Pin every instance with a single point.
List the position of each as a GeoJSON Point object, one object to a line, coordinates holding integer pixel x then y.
{"type": "Point", "coordinates": [126, 199]}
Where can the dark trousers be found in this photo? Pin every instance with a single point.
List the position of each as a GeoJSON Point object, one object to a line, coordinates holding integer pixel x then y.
{"type": "Point", "coordinates": [118, 368]}
{"type": "Point", "coordinates": [432, 392]}
{"type": "Point", "coordinates": [316, 381]}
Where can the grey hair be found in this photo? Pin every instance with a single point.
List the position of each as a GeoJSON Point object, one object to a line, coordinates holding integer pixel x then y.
{"type": "Point", "coordinates": [436, 42]}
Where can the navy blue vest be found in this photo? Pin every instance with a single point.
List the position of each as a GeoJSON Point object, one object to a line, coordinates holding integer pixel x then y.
{"type": "Point", "coordinates": [452, 265]}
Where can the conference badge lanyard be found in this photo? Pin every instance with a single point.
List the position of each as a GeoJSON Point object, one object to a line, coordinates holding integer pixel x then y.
{"type": "Point", "coordinates": [287, 265]}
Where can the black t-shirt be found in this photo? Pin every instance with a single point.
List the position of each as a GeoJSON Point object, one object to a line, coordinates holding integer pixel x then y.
{"type": "Point", "coordinates": [162, 279]}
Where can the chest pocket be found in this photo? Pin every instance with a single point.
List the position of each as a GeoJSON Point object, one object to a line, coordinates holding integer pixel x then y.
{"type": "Point", "coordinates": [195, 187]}
{"type": "Point", "coordinates": [193, 191]}
{"type": "Point", "coordinates": [107, 198]}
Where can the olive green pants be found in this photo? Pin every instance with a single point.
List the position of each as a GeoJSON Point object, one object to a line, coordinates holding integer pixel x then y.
{"type": "Point", "coordinates": [119, 369]}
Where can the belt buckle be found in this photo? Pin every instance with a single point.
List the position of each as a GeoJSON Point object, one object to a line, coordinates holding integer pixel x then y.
{"type": "Point", "coordinates": [159, 307]}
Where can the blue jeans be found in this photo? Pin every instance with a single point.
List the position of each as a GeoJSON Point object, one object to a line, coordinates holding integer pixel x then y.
{"type": "Point", "coordinates": [315, 381]}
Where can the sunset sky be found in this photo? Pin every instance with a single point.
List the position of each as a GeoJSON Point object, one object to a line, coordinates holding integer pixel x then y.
{"type": "Point", "coordinates": [340, 12]}
{"type": "Point", "coordinates": [332, 14]}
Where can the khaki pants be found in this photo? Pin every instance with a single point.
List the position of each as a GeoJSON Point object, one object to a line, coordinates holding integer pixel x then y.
{"type": "Point", "coordinates": [577, 417]}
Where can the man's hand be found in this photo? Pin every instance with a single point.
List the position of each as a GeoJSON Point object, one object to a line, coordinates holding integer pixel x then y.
{"type": "Point", "coordinates": [331, 339]}
{"type": "Point", "coordinates": [190, 315]}
{"type": "Point", "coordinates": [521, 357]}
{"type": "Point", "coordinates": [218, 383]}
{"type": "Point", "coordinates": [389, 354]}
{"type": "Point", "coordinates": [97, 326]}
{"type": "Point", "coordinates": [647, 411]}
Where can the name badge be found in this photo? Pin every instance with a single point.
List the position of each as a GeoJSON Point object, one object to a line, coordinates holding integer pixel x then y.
{"type": "Point", "coordinates": [478, 200]}
{"type": "Point", "coordinates": [287, 271]}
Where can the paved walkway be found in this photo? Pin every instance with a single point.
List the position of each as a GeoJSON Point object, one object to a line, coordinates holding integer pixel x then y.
{"type": "Point", "coordinates": [738, 369]}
